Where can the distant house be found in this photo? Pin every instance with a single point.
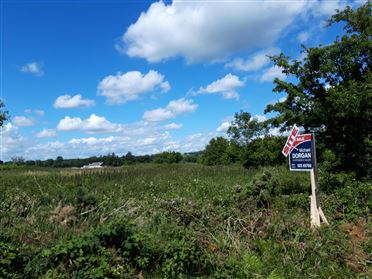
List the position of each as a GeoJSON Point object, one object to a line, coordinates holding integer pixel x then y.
{"type": "Point", "coordinates": [94, 165]}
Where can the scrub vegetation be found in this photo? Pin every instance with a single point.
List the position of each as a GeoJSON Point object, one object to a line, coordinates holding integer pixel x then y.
{"type": "Point", "coordinates": [180, 221]}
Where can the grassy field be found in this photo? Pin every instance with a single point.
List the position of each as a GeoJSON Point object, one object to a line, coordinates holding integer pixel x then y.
{"type": "Point", "coordinates": [180, 221]}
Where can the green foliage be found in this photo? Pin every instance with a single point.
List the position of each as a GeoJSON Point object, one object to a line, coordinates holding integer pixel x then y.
{"type": "Point", "coordinates": [178, 221]}
{"type": "Point", "coordinates": [244, 128]}
{"type": "Point", "coordinates": [8, 166]}
{"type": "Point", "coordinates": [353, 200]}
{"type": "Point", "coordinates": [168, 158]}
{"type": "Point", "coordinates": [270, 183]}
{"type": "Point", "coordinates": [109, 251]}
{"type": "Point", "coordinates": [216, 152]}
{"type": "Point", "coordinates": [12, 259]}
{"type": "Point", "coordinates": [332, 94]}
{"type": "Point", "coordinates": [264, 152]}
{"type": "Point", "coordinates": [183, 257]}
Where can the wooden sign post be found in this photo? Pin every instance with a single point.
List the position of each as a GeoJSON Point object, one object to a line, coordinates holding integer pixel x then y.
{"type": "Point", "coordinates": [302, 157]}
{"type": "Point", "coordinates": [316, 212]}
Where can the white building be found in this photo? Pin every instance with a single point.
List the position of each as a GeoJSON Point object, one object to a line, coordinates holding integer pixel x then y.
{"type": "Point", "coordinates": [94, 165]}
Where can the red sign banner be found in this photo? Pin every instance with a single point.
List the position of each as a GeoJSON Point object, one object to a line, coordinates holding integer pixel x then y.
{"type": "Point", "coordinates": [290, 141]}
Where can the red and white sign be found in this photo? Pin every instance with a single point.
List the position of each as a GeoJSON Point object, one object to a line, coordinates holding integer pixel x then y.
{"type": "Point", "coordinates": [290, 141]}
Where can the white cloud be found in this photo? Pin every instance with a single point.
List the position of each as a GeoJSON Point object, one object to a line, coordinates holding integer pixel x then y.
{"type": "Point", "coordinates": [23, 121]}
{"type": "Point", "coordinates": [139, 138]}
{"type": "Point", "coordinates": [70, 124]}
{"type": "Point", "coordinates": [173, 126]}
{"type": "Point", "coordinates": [122, 88]}
{"type": "Point", "coordinates": [159, 114]}
{"type": "Point", "coordinates": [12, 142]}
{"type": "Point", "coordinates": [174, 108]}
{"type": "Point", "coordinates": [207, 30]}
{"type": "Point", "coordinates": [46, 133]}
{"type": "Point", "coordinates": [260, 118]}
{"type": "Point", "coordinates": [225, 86]}
{"type": "Point", "coordinates": [33, 68]}
{"type": "Point", "coordinates": [68, 101]}
{"type": "Point", "coordinates": [270, 74]}
{"type": "Point", "coordinates": [93, 124]}
{"type": "Point", "coordinates": [181, 106]}
{"type": "Point", "coordinates": [223, 127]}
{"type": "Point", "coordinates": [326, 8]}
{"type": "Point", "coordinates": [91, 140]}
{"type": "Point", "coordinates": [256, 62]}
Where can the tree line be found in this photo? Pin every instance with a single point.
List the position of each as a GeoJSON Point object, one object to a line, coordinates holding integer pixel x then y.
{"type": "Point", "coordinates": [168, 157]}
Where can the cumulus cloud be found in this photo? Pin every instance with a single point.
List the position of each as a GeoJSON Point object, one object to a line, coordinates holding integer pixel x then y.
{"type": "Point", "coordinates": [23, 121]}
{"type": "Point", "coordinates": [68, 101]}
{"type": "Point", "coordinates": [326, 8]}
{"type": "Point", "coordinates": [93, 124]}
{"type": "Point", "coordinates": [129, 86]}
{"type": "Point", "coordinates": [33, 68]}
{"type": "Point", "coordinates": [174, 108]}
{"type": "Point", "coordinates": [173, 126]}
{"type": "Point", "coordinates": [159, 114]}
{"type": "Point", "coordinates": [223, 127]}
{"type": "Point", "coordinates": [225, 86]}
{"type": "Point", "coordinates": [12, 142]}
{"type": "Point", "coordinates": [205, 30]}
{"type": "Point", "coordinates": [271, 73]}
{"type": "Point", "coordinates": [91, 140]}
{"type": "Point", "coordinates": [46, 133]}
{"type": "Point", "coordinates": [139, 138]}
{"type": "Point", "coordinates": [254, 63]}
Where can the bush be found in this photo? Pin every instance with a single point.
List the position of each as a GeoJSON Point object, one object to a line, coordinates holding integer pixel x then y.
{"type": "Point", "coordinates": [270, 183]}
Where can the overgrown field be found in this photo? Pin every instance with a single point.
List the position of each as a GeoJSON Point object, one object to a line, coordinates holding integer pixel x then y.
{"type": "Point", "coordinates": [181, 221]}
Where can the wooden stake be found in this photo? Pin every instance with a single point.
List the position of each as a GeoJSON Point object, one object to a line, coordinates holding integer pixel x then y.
{"type": "Point", "coordinates": [322, 216]}
{"type": "Point", "coordinates": [316, 213]}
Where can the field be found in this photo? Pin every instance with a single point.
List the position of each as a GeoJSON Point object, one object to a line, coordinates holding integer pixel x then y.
{"type": "Point", "coordinates": [180, 221]}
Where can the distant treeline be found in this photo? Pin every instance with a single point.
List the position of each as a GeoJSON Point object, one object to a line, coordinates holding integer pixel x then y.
{"type": "Point", "coordinates": [108, 160]}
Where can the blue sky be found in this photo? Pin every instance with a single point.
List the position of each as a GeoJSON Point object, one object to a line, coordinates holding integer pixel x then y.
{"type": "Point", "coordinates": [94, 77]}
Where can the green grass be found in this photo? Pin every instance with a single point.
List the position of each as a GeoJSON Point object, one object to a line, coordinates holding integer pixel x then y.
{"type": "Point", "coordinates": [177, 221]}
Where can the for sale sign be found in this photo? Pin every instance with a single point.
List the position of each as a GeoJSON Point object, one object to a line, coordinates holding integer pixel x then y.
{"type": "Point", "coordinates": [300, 153]}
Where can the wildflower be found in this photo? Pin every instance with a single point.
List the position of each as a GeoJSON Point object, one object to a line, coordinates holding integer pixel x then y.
{"type": "Point", "coordinates": [302, 245]}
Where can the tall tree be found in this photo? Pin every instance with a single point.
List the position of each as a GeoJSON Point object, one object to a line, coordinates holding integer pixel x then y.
{"type": "Point", "coordinates": [244, 128]}
{"type": "Point", "coordinates": [332, 92]}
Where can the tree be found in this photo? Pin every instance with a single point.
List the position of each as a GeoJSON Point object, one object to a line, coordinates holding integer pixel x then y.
{"type": "Point", "coordinates": [264, 152]}
{"type": "Point", "coordinates": [19, 160]}
{"type": "Point", "coordinates": [332, 94]}
{"type": "Point", "coordinates": [3, 114]}
{"type": "Point", "coordinates": [168, 157]}
{"type": "Point", "coordinates": [215, 152]}
{"type": "Point", "coordinates": [129, 159]}
{"type": "Point", "coordinates": [244, 128]}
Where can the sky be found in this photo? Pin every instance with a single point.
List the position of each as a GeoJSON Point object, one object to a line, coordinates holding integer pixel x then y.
{"type": "Point", "coordinates": [89, 78]}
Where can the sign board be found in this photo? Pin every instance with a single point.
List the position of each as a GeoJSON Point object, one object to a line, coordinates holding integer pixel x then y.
{"type": "Point", "coordinates": [290, 141]}
{"type": "Point", "coordinates": [301, 154]}
{"type": "Point", "coordinates": [302, 157]}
